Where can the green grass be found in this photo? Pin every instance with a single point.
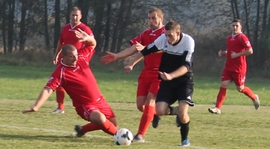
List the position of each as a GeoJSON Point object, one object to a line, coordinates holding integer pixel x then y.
{"type": "Point", "coordinates": [239, 125]}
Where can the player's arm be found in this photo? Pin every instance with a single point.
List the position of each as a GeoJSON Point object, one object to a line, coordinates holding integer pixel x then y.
{"type": "Point", "coordinates": [247, 52]}
{"type": "Point", "coordinates": [222, 53]}
{"type": "Point", "coordinates": [57, 52]}
{"type": "Point", "coordinates": [111, 57]}
{"type": "Point", "coordinates": [129, 67]}
{"type": "Point", "coordinates": [175, 74]}
{"type": "Point", "coordinates": [43, 96]}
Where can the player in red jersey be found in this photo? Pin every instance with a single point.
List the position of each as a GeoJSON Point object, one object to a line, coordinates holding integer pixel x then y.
{"type": "Point", "coordinates": [68, 37]}
{"type": "Point", "coordinates": [148, 82]}
{"type": "Point", "coordinates": [74, 75]}
{"type": "Point", "coordinates": [238, 47]}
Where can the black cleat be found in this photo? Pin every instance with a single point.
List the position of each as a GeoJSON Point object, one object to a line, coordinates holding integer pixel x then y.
{"type": "Point", "coordinates": [155, 121]}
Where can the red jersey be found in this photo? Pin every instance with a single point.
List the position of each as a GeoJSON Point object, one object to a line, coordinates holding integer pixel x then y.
{"type": "Point", "coordinates": [237, 43]}
{"type": "Point", "coordinates": [152, 61]}
{"type": "Point", "coordinates": [78, 81]}
{"type": "Point", "coordinates": [68, 35]}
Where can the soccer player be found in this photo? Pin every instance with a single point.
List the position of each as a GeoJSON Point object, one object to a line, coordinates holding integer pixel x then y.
{"type": "Point", "coordinates": [238, 47]}
{"type": "Point", "coordinates": [74, 75]}
{"type": "Point", "coordinates": [176, 74]}
{"type": "Point", "coordinates": [148, 82]}
{"type": "Point", "coordinates": [68, 37]}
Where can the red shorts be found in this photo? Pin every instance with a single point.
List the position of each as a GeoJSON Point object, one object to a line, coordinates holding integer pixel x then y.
{"type": "Point", "coordinates": [238, 78]}
{"type": "Point", "coordinates": [148, 83]}
{"type": "Point", "coordinates": [85, 110]}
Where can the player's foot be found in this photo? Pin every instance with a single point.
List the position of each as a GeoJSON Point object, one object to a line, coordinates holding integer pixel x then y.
{"type": "Point", "coordinates": [78, 129]}
{"type": "Point", "coordinates": [214, 110]}
{"type": "Point", "coordinates": [138, 138]}
{"type": "Point", "coordinates": [155, 121]}
{"type": "Point", "coordinates": [256, 102]}
{"type": "Point", "coordinates": [58, 111]}
{"type": "Point", "coordinates": [186, 142]}
{"type": "Point", "coordinates": [178, 122]}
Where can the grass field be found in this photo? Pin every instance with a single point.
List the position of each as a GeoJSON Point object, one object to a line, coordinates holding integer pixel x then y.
{"type": "Point", "coordinates": [239, 125]}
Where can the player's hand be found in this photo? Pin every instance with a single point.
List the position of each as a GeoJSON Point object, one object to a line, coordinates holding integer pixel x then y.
{"type": "Point", "coordinates": [220, 53]}
{"type": "Point", "coordinates": [128, 69]}
{"type": "Point", "coordinates": [29, 110]}
{"type": "Point", "coordinates": [81, 35]}
{"type": "Point", "coordinates": [165, 76]}
{"type": "Point", "coordinates": [110, 57]}
{"type": "Point", "coordinates": [139, 46]}
{"type": "Point", "coordinates": [55, 60]}
{"type": "Point", "coordinates": [234, 55]}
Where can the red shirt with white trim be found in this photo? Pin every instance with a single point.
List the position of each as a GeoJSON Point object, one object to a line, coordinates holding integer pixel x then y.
{"type": "Point", "coordinates": [68, 35]}
{"type": "Point", "coordinates": [152, 61]}
{"type": "Point", "coordinates": [237, 43]}
{"type": "Point", "coordinates": [78, 81]}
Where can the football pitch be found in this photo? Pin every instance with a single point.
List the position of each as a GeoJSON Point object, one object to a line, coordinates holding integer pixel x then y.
{"type": "Point", "coordinates": [238, 127]}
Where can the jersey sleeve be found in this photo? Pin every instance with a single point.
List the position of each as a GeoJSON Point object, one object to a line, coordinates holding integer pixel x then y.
{"type": "Point", "coordinates": [245, 41]}
{"type": "Point", "coordinates": [54, 81]}
{"type": "Point", "coordinates": [136, 39]}
{"type": "Point", "coordinates": [190, 46]}
{"type": "Point", "coordinates": [88, 30]}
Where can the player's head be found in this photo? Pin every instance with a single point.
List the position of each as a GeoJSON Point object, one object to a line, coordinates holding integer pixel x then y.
{"type": "Point", "coordinates": [236, 26]}
{"type": "Point", "coordinates": [155, 18]}
{"type": "Point", "coordinates": [172, 32]}
{"type": "Point", "coordinates": [70, 55]}
{"type": "Point", "coordinates": [75, 15]}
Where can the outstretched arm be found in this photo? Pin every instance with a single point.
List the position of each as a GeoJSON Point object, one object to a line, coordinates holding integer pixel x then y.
{"type": "Point", "coordinates": [111, 57]}
{"type": "Point", "coordinates": [43, 96]}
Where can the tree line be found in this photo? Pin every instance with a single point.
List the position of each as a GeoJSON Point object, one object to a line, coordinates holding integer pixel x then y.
{"type": "Point", "coordinates": [37, 24]}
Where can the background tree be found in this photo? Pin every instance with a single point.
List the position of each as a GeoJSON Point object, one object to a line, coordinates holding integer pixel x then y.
{"type": "Point", "coordinates": [11, 6]}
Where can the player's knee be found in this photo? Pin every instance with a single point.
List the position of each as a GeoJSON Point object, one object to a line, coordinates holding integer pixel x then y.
{"type": "Point", "coordinates": [239, 88]}
{"type": "Point", "coordinates": [140, 107]}
{"type": "Point", "coordinates": [97, 117]}
{"type": "Point", "coordinates": [184, 118]}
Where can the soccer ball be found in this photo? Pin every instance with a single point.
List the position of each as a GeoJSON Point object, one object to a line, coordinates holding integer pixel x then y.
{"type": "Point", "coordinates": [123, 137]}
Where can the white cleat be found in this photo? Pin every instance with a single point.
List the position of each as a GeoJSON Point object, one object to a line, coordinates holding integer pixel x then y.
{"type": "Point", "coordinates": [214, 110]}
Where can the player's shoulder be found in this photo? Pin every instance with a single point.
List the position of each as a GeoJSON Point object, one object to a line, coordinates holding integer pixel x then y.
{"type": "Point", "coordinates": [187, 37]}
{"type": "Point", "coordinates": [66, 25]}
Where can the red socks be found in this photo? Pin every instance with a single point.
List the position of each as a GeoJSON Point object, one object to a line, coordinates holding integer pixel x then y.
{"type": "Point", "coordinates": [146, 119]}
{"type": "Point", "coordinates": [221, 97]}
{"type": "Point", "coordinates": [248, 92]}
{"type": "Point", "coordinates": [107, 127]}
{"type": "Point", "coordinates": [60, 95]}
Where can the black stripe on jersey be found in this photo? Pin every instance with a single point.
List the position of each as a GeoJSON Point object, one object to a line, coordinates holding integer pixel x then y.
{"type": "Point", "coordinates": [151, 48]}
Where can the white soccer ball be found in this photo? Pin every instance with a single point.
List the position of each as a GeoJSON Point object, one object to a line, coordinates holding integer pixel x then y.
{"type": "Point", "coordinates": [123, 137]}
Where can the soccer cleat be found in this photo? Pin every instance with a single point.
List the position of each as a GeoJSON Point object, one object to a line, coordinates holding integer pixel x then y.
{"type": "Point", "coordinates": [178, 122]}
{"type": "Point", "coordinates": [138, 138]}
{"type": "Point", "coordinates": [256, 102]}
{"type": "Point", "coordinates": [58, 111]}
{"type": "Point", "coordinates": [186, 142]}
{"type": "Point", "coordinates": [78, 129]}
{"type": "Point", "coordinates": [155, 121]}
{"type": "Point", "coordinates": [214, 110]}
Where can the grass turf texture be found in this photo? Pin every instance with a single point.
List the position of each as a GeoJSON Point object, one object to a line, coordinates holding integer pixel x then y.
{"type": "Point", "coordinates": [239, 126]}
